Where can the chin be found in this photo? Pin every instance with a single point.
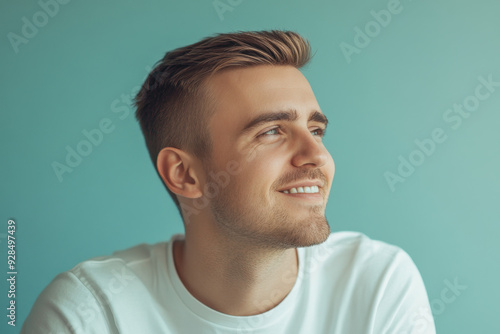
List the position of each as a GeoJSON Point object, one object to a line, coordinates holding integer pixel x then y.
{"type": "Point", "coordinates": [307, 233]}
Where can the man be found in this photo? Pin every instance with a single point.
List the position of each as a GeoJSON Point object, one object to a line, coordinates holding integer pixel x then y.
{"type": "Point", "coordinates": [235, 133]}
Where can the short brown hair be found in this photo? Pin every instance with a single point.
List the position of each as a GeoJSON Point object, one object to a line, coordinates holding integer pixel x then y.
{"type": "Point", "coordinates": [173, 106]}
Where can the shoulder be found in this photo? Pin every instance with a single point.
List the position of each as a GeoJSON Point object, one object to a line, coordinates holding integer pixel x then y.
{"type": "Point", "coordinates": [354, 238]}
{"type": "Point", "coordinates": [81, 298]}
{"type": "Point", "coordinates": [137, 263]}
{"type": "Point", "coordinates": [357, 260]}
{"type": "Point", "coordinates": [377, 277]}
{"type": "Point", "coordinates": [111, 274]}
{"type": "Point", "coordinates": [356, 247]}
{"type": "Point", "coordinates": [66, 305]}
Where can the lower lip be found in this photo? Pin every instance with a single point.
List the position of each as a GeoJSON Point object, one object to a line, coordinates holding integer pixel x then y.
{"type": "Point", "coordinates": [314, 196]}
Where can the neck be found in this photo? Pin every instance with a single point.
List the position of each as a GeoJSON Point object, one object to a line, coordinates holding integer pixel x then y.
{"type": "Point", "coordinates": [234, 277]}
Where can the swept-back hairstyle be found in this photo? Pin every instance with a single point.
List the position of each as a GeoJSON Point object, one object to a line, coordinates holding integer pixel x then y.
{"type": "Point", "coordinates": [173, 106]}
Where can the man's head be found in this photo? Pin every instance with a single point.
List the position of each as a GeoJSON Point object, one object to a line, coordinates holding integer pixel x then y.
{"type": "Point", "coordinates": [240, 100]}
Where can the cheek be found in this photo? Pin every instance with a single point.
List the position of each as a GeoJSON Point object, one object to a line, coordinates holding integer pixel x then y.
{"type": "Point", "coordinates": [329, 171]}
{"type": "Point", "coordinates": [260, 173]}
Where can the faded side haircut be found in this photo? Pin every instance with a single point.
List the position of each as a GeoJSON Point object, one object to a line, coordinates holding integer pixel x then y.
{"type": "Point", "coordinates": [173, 106]}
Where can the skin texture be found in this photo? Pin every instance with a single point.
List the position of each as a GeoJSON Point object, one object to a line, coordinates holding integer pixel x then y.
{"type": "Point", "coordinates": [239, 256]}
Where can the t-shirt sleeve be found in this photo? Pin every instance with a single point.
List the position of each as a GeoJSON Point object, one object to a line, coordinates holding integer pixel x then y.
{"type": "Point", "coordinates": [66, 305]}
{"type": "Point", "coordinates": [403, 306]}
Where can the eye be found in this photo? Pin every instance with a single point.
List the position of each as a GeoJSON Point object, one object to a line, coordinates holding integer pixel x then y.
{"type": "Point", "coordinates": [270, 132]}
{"type": "Point", "coordinates": [319, 132]}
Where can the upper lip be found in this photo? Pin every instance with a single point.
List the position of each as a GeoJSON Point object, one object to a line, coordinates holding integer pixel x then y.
{"type": "Point", "coordinates": [306, 183]}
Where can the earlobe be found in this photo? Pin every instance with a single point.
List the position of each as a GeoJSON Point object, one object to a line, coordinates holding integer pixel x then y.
{"type": "Point", "coordinates": [178, 171]}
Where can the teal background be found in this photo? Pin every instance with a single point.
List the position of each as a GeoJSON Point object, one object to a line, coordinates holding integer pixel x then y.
{"type": "Point", "coordinates": [394, 91]}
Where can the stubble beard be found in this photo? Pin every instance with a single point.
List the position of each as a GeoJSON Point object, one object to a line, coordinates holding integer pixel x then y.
{"type": "Point", "coordinates": [272, 227]}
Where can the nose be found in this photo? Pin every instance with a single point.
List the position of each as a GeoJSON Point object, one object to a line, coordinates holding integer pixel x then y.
{"type": "Point", "coordinates": [309, 151]}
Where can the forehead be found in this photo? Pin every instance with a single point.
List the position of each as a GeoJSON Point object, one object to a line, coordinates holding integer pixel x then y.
{"type": "Point", "coordinates": [241, 94]}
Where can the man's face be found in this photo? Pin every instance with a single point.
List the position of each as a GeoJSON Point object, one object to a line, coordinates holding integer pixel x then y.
{"type": "Point", "coordinates": [281, 152]}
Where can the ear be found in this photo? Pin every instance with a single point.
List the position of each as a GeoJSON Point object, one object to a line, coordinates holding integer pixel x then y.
{"type": "Point", "coordinates": [180, 172]}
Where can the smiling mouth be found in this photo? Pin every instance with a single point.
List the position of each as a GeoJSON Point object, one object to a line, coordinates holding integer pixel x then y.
{"type": "Point", "coordinates": [301, 190]}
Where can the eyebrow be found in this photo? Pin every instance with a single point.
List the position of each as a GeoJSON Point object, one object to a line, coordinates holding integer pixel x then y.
{"type": "Point", "coordinates": [284, 115]}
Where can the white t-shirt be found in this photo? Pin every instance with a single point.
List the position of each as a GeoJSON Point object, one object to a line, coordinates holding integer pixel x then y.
{"type": "Point", "coordinates": [347, 285]}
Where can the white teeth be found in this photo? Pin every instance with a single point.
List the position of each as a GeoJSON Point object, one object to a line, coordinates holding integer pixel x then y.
{"type": "Point", "coordinates": [301, 190]}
